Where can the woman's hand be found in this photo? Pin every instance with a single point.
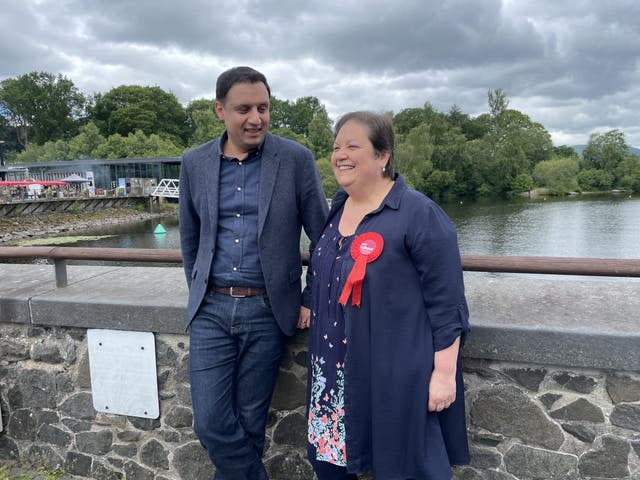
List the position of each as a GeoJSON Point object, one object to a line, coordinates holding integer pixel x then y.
{"type": "Point", "coordinates": [442, 386]}
{"type": "Point", "coordinates": [442, 391]}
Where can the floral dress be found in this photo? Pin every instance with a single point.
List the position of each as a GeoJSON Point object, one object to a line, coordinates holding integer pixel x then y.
{"type": "Point", "coordinates": [327, 348]}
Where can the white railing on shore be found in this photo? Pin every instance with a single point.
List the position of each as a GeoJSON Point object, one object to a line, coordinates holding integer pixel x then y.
{"type": "Point", "coordinates": [168, 188]}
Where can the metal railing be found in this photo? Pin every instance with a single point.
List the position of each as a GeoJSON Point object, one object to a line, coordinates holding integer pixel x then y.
{"type": "Point", "coordinates": [606, 267]}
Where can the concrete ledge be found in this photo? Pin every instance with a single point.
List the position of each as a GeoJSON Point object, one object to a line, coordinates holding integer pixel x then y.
{"type": "Point", "coordinates": [591, 322]}
{"type": "Point", "coordinates": [520, 318]}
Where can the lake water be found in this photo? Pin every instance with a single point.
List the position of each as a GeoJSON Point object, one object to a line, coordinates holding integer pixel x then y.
{"type": "Point", "coordinates": [581, 226]}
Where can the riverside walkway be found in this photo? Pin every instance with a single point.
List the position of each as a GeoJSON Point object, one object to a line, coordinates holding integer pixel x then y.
{"type": "Point", "coordinates": [552, 375]}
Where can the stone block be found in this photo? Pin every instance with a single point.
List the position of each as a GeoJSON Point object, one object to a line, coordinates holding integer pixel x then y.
{"type": "Point", "coordinates": [79, 406]}
{"type": "Point", "coordinates": [291, 430]}
{"type": "Point", "coordinates": [548, 399]}
{"type": "Point", "coordinates": [580, 410]}
{"type": "Point", "coordinates": [8, 448]}
{"type": "Point", "coordinates": [290, 393]}
{"type": "Point", "coordinates": [577, 383]}
{"type": "Point", "coordinates": [95, 443]}
{"type": "Point", "coordinates": [153, 454]}
{"type": "Point", "coordinates": [128, 451]}
{"type": "Point", "coordinates": [43, 455]}
{"type": "Point", "coordinates": [610, 460]}
{"type": "Point", "coordinates": [23, 424]}
{"type": "Point", "coordinates": [54, 435]}
{"type": "Point", "coordinates": [179, 417]}
{"type": "Point", "coordinates": [626, 415]}
{"type": "Point", "coordinates": [78, 464]}
{"type": "Point", "coordinates": [37, 388]}
{"type": "Point", "coordinates": [622, 388]}
{"type": "Point", "coordinates": [100, 471]}
{"type": "Point", "coordinates": [531, 378]}
{"type": "Point", "coordinates": [145, 424]}
{"type": "Point", "coordinates": [506, 410]}
{"type": "Point", "coordinates": [192, 462]}
{"type": "Point", "coordinates": [534, 463]}
{"type": "Point", "coordinates": [485, 457]}
{"type": "Point", "coordinates": [134, 471]}
{"type": "Point", "coordinates": [582, 432]}
{"type": "Point", "coordinates": [290, 466]}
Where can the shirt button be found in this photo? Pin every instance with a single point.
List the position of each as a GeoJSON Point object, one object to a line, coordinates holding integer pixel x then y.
{"type": "Point", "coordinates": [239, 163]}
{"type": "Point", "coordinates": [237, 240]}
{"type": "Point", "coordinates": [235, 269]}
{"type": "Point", "coordinates": [239, 189]}
{"type": "Point", "coordinates": [237, 215]}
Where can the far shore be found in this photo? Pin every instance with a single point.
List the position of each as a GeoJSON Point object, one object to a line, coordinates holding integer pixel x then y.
{"type": "Point", "coordinates": [12, 230]}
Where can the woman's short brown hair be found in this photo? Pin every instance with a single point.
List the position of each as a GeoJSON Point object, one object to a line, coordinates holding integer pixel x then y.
{"type": "Point", "coordinates": [381, 134]}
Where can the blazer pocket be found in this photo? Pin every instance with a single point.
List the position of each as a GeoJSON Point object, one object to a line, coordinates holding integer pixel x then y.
{"type": "Point", "coordinates": [295, 274]}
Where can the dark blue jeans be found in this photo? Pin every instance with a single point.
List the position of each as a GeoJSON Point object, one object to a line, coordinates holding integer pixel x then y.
{"type": "Point", "coordinates": [235, 350]}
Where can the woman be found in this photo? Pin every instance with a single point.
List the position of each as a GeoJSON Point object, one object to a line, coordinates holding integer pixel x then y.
{"type": "Point", "coordinates": [389, 318]}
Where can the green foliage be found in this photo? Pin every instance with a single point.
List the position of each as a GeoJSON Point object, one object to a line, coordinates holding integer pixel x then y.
{"type": "Point", "coordinates": [41, 107]}
{"type": "Point", "coordinates": [129, 108]}
{"type": "Point", "coordinates": [329, 182]}
{"type": "Point", "coordinates": [629, 173]}
{"type": "Point", "coordinates": [413, 156]}
{"type": "Point", "coordinates": [565, 151]}
{"type": "Point", "coordinates": [605, 152]}
{"type": "Point", "coordinates": [438, 183]}
{"type": "Point", "coordinates": [137, 145]}
{"type": "Point", "coordinates": [559, 175]}
{"type": "Point", "coordinates": [441, 154]}
{"type": "Point", "coordinates": [522, 183]}
{"type": "Point", "coordinates": [86, 142]}
{"type": "Point", "coordinates": [594, 179]}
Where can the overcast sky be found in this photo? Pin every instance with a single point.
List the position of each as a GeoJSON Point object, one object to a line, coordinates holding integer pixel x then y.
{"type": "Point", "coordinates": [572, 66]}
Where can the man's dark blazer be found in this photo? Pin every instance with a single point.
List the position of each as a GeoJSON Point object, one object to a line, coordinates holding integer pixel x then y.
{"type": "Point", "coordinates": [290, 198]}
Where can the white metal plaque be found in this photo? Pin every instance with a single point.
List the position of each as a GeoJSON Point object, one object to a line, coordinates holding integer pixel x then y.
{"type": "Point", "coordinates": [123, 372]}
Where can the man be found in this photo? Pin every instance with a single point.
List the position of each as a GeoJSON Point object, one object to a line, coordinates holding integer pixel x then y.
{"type": "Point", "coordinates": [244, 198]}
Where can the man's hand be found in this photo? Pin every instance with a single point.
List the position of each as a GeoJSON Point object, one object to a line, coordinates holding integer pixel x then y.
{"type": "Point", "coordinates": [304, 318]}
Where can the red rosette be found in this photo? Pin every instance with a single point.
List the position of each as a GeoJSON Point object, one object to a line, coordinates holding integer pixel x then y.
{"type": "Point", "coordinates": [365, 248]}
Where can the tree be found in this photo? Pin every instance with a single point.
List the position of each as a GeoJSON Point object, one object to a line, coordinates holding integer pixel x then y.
{"type": "Point", "coordinates": [593, 179]}
{"type": "Point", "coordinates": [329, 182]}
{"type": "Point", "coordinates": [605, 151]}
{"type": "Point", "coordinates": [41, 107]}
{"type": "Point", "coordinates": [86, 142]}
{"type": "Point", "coordinates": [413, 156]}
{"type": "Point", "coordinates": [559, 174]}
{"type": "Point", "coordinates": [137, 144]}
{"type": "Point", "coordinates": [129, 108]}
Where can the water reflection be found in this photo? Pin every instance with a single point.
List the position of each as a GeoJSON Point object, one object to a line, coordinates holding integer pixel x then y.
{"type": "Point", "coordinates": [590, 227]}
{"type": "Point", "coordinates": [595, 227]}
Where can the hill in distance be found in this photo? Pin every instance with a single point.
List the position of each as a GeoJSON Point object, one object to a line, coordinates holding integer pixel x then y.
{"type": "Point", "coordinates": [580, 148]}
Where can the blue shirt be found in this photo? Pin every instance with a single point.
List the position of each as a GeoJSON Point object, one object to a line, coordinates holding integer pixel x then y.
{"type": "Point", "coordinates": [236, 261]}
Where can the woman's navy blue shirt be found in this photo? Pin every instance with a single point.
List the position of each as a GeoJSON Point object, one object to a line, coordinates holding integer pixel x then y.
{"type": "Point", "coordinates": [413, 305]}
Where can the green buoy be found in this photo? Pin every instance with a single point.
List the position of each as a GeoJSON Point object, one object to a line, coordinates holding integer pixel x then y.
{"type": "Point", "coordinates": [159, 229]}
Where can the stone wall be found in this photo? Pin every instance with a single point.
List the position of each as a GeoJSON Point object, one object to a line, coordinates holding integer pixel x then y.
{"type": "Point", "coordinates": [527, 419]}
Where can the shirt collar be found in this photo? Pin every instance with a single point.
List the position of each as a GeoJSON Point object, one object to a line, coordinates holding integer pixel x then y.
{"type": "Point", "coordinates": [392, 200]}
{"type": "Point", "coordinates": [255, 153]}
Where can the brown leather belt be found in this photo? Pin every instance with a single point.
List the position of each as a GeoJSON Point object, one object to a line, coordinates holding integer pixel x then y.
{"type": "Point", "coordinates": [240, 292]}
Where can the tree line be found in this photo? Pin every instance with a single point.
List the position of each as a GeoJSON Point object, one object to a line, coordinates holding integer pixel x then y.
{"type": "Point", "coordinates": [43, 117]}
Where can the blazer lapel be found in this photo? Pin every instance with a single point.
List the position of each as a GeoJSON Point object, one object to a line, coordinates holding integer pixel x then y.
{"type": "Point", "coordinates": [211, 179]}
{"type": "Point", "coordinates": [268, 174]}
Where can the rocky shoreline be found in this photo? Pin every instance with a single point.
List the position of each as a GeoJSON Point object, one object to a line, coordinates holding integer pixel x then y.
{"type": "Point", "coordinates": [12, 230]}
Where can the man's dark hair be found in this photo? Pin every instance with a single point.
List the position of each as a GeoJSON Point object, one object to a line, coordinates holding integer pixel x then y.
{"type": "Point", "coordinates": [234, 75]}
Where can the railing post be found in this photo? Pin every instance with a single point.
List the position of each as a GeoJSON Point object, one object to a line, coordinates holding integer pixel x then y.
{"type": "Point", "coordinates": [61, 272]}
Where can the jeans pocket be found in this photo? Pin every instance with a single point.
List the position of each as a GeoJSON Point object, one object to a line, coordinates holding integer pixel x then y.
{"type": "Point", "coordinates": [265, 301]}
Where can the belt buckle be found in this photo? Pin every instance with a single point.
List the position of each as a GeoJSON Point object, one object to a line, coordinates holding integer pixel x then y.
{"type": "Point", "coordinates": [234, 295]}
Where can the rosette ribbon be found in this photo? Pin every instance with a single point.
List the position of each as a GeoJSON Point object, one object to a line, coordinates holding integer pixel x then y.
{"type": "Point", "coordinates": [365, 248]}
